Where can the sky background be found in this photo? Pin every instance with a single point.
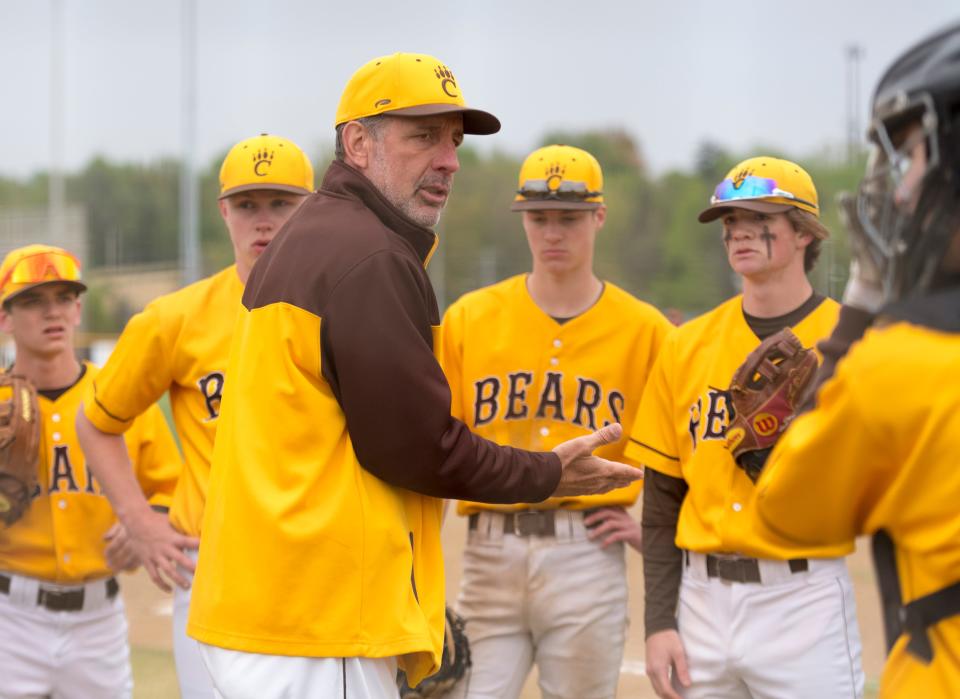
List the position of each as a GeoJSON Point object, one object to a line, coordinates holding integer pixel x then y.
{"type": "Point", "coordinates": [672, 74]}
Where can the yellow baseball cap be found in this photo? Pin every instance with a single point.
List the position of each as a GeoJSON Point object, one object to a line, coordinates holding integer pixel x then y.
{"type": "Point", "coordinates": [33, 265]}
{"type": "Point", "coordinates": [409, 84]}
{"type": "Point", "coordinates": [764, 184]}
{"type": "Point", "coordinates": [559, 177]}
{"type": "Point", "coordinates": [266, 162]}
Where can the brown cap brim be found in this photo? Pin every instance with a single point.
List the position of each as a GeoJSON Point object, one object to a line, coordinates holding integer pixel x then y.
{"type": "Point", "coordinates": [554, 205]}
{"type": "Point", "coordinates": [265, 187]}
{"type": "Point", "coordinates": [714, 212]}
{"type": "Point", "coordinates": [475, 121]}
{"type": "Point", "coordinates": [79, 286]}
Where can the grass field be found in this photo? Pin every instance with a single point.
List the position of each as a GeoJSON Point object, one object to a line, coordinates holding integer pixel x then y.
{"type": "Point", "coordinates": [154, 676]}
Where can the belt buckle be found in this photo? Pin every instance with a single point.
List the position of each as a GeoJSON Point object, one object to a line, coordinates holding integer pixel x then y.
{"type": "Point", "coordinates": [60, 600]}
{"type": "Point", "coordinates": [527, 522]}
{"type": "Point", "coordinates": [733, 570]}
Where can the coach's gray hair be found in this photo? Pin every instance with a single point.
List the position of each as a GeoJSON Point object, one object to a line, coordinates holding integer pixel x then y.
{"type": "Point", "coordinates": [373, 124]}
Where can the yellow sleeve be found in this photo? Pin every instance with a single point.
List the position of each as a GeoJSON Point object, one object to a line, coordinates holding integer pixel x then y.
{"type": "Point", "coordinates": [137, 374]}
{"type": "Point", "coordinates": [450, 354]}
{"type": "Point", "coordinates": [652, 440]}
{"type": "Point", "coordinates": [154, 455]}
{"type": "Point", "coordinates": [829, 468]}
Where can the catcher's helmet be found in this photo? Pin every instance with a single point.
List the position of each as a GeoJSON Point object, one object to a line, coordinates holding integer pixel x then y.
{"type": "Point", "coordinates": [917, 101]}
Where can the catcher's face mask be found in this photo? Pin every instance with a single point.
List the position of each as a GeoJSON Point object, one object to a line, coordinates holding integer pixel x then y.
{"type": "Point", "coordinates": [903, 208]}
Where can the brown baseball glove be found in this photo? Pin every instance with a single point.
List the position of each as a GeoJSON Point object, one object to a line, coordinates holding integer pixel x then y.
{"type": "Point", "coordinates": [453, 665]}
{"type": "Point", "coordinates": [764, 396]}
{"type": "Point", "coordinates": [19, 445]}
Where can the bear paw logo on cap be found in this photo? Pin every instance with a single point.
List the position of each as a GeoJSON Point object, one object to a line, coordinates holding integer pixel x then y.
{"type": "Point", "coordinates": [445, 76]}
{"type": "Point", "coordinates": [741, 177]}
{"type": "Point", "coordinates": [262, 160]}
{"type": "Point", "coordinates": [554, 175]}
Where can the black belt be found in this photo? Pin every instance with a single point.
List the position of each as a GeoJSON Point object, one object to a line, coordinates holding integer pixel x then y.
{"type": "Point", "coordinates": [744, 570]}
{"type": "Point", "coordinates": [919, 615]}
{"type": "Point", "coordinates": [57, 600]}
{"type": "Point", "coordinates": [527, 522]}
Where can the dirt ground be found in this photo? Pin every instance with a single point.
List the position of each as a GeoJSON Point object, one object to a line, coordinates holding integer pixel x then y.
{"type": "Point", "coordinates": [149, 612]}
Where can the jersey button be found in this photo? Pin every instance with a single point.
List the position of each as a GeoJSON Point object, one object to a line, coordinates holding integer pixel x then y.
{"type": "Point", "coordinates": [62, 504]}
{"type": "Point", "coordinates": [737, 507]}
{"type": "Point", "coordinates": [544, 431]}
{"type": "Point", "coordinates": [66, 558]}
{"type": "Point", "coordinates": [554, 361]}
{"type": "Point", "coordinates": [56, 436]}
{"type": "Point", "coordinates": [55, 417]}
{"type": "Point", "coordinates": [557, 344]}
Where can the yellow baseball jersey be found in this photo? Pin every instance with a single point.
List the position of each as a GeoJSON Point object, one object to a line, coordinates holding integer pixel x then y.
{"type": "Point", "coordinates": [520, 378]}
{"type": "Point", "coordinates": [60, 538]}
{"type": "Point", "coordinates": [179, 343]}
{"type": "Point", "coordinates": [879, 451]}
{"type": "Point", "coordinates": [680, 430]}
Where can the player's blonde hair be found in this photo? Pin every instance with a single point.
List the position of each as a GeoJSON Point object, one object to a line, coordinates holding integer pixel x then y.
{"type": "Point", "coordinates": [805, 222]}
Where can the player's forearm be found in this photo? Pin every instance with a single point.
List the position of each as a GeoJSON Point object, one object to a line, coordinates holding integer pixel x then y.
{"type": "Point", "coordinates": [107, 458]}
{"type": "Point", "coordinates": [662, 560]}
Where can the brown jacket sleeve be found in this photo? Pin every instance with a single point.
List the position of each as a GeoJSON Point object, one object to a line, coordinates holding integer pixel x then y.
{"type": "Point", "coordinates": [377, 355]}
{"type": "Point", "coordinates": [662, 560]}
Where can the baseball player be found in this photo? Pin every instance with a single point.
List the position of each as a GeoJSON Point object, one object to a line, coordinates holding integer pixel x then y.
{"type": "Point", "coordinates": [321, 570]}
{"type": "Point", "coordinates": [62, 628]}
{"type": "Point", "coordinates": [533, 361]}
{"type": "Point", "coordinates": [718, 590]}
{"type": "Point", "coordinates": [888, 420]}
{"type": "Point", "coordinates": [180, 343]}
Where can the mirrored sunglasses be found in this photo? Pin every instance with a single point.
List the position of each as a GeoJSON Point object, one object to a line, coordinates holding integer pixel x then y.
{"type": "Point", "coordinates": [568, 190]}
{"type": "Point", "coordinates": [43, 267]}
{"type": "Point", "coordinates": [752, 187]}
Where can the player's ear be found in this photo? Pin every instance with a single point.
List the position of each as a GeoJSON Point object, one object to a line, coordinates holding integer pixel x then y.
{"type": "Point", "coordinates": [79, 318]}
{"type": "Point", "coordinates": [357, 144]}
{"type": "Point", "coordinates": [222, 205]}
{"type": "Point", "coordinates": [6, 325]}
{"type": "Point", "coordinates": [600, 216]}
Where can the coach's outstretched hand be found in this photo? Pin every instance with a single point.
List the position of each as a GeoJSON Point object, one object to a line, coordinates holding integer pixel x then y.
{"type": "Point", "coordinates": [586, 474]}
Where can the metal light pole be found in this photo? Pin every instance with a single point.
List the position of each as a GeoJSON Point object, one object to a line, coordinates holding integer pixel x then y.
{"type": "Point", "coordinates": [56, 196]}
{"type": "Point", "coordinates": [854, 55]}
{"type": "Point", "coordinates": [189, 239]}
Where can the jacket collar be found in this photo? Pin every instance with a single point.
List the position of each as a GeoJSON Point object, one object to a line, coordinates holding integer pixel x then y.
{"type": "Point", "coordinates": [343, 179]}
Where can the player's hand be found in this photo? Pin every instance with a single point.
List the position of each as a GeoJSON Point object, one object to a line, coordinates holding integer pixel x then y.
{"type": "Point", "coordinates": [160, 549]}
{"type": "Point", "coordinates": [864, 288]}
{"type": "Point", "coordinates": [120, 552]}
{"type": "Point", "coordinates": [665, 657]}
{"type": "Point", "coordinates": [609, 525]}
{"type": "Point", "coordinates": [585, 474]}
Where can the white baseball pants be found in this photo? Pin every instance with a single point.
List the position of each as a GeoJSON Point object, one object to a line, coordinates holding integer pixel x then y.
{"type": "Point", "coordinates": [81, 654]}
{"type": "Point", "coordinates": [558, 601]}
{"type": "Point", "coordinates": [791, 636]}
{"type": "Point", "coordinates": [192, 675]}
{"type": "Point", "coordinates": [239, 675]}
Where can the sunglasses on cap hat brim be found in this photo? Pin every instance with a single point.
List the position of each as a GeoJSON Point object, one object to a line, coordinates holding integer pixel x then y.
{"type": "Point", "coordinates": [749, 193]}
{"type": "Point", "coordinates": [569, 194]}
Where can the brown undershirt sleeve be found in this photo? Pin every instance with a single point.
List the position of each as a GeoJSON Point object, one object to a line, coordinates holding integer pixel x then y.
{"type": "Point", "coordinates": [662, 560]}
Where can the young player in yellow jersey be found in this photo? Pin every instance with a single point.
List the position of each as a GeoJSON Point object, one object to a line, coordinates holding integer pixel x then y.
{"type": "Point", "coordinates": [533, 361]}
{"type": "Point", "coordinates": [180, 343]}
{"type": "Point", "coordinates": [718, 589]}
{"type": "Point", "coordinates": [62, 627]}
{"type": "Point", "coordinates": [879, 452]}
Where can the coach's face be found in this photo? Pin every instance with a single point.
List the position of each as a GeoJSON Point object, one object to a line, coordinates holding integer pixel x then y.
{"type": "Point", "coordinates": [254, 218]}
{"type": "Point", "coordinates": [411, 160]}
